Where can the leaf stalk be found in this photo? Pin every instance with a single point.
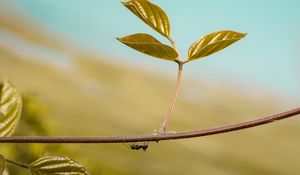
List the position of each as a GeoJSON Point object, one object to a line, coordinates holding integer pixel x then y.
{"type": "Point", "coordinates": [174, 99]}
{"type": "Point", "coordinates": [20, 164]}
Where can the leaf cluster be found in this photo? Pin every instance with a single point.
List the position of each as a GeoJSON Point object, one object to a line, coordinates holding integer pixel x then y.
{"type": "Point", "coordinates": [158, 20]}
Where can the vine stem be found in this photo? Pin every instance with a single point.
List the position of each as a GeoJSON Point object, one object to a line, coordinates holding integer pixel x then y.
{"type": "Point", "coordinates": [20, 164]}
{"type": "Point", "coordinates": [174, 99]}
{"type": "Point", "coordinates": [153, 137]}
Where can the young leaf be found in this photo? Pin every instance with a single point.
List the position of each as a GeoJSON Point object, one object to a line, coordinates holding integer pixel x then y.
{"type": "Point", "coordinates": [147, 44]}
{"type": "Point", "coordinates": [55, 165]}
{"type": "Point", "coordinates": [213, 43]}
{"type": "Point", "coordinates": [10, 108]}
{"type": "Point", "coordinates": [151, 14]}
{"type": "Point", "coordinates": [2, 164]}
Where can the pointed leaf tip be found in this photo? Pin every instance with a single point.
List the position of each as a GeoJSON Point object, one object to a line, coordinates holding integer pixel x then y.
{"type": "Point", "coordinates": [147, 44]}
{"type": "Point", "coordinates": [10, 108]}
{"type": "Point", "coordinates": [151, 14]}
{"type": "Point", "coordinates": [213, 43]}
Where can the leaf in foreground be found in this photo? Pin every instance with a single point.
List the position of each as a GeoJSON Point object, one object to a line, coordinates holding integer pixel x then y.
{"type": "Point", "coordinates": [55, 165]}
{"type": "Point", "coordinates": [213, 43]}
{"type": "Point", "coordinates": [10, 108]}
{"type": "Point", "coordinates": [151, 14]}
{"type": "Point", "coordinates": [147, 44]}
{"type": "Point", "coordinates": [2, 164]}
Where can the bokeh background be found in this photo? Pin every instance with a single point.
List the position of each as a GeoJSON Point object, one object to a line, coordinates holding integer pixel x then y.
{"type": "Point", "coordinates": [77, 79]}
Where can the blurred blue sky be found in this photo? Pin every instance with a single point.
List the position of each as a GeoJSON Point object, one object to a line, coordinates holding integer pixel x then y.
{"type": "Point", "coordinates": [268, 58]}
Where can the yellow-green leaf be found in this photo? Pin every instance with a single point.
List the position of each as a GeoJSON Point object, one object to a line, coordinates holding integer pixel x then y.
{"type": "Point", "coordinates": [2, 164]}
{"type": "Point", "coordinates": [10, 108]}
{"type": "Point", "coordinates": [149, 45]}
{"type": "Point", "coordinates": [151, 14]}
{"type": "Point", "coordinates": [56, 165]}
{"type": "Point", "coordinates": [213, 43]}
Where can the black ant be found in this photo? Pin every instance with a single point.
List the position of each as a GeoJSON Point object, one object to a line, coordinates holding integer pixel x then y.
{"type": "Point", "coordinates": [134, 146]}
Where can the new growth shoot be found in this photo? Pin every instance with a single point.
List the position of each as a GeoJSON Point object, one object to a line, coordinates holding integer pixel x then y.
{"type": "Point", "coordinates": [158, 20]}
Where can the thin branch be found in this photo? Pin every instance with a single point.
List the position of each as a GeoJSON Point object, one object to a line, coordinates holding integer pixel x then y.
{"type": "Point", "coordinates": [174, 99]}
{"type": "Point", "coordinates": [20, 164]}
{"type": "Point", "coordinates": [153, 137]}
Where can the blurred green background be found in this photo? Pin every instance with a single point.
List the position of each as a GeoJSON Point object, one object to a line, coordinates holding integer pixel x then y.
{"type": "Point", "coordinates": [76, 79]}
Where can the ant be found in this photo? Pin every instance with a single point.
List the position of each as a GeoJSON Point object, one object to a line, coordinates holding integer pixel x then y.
{"type": "Point", "coordinates": [134, 146]}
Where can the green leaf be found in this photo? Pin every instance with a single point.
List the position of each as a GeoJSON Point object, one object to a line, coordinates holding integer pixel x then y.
{"type": "Point", "coordinates": [2, 164]}
{"type": "Point", "coordinates": [151, 14]}
{"type": "Point", "coordinates": [10, 108]}
{"type": "Point", "coordinates": [149, 45]}
{"type": "Point", "coordinates": [56, 165]}
{"type": "Point", "coordinates": [213, 43]}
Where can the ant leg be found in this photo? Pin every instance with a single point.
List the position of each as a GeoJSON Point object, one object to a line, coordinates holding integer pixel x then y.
{"type": "Point", "coordinates": [129, 145]}
{"type": "Point", "coordinates": [145, 146]}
